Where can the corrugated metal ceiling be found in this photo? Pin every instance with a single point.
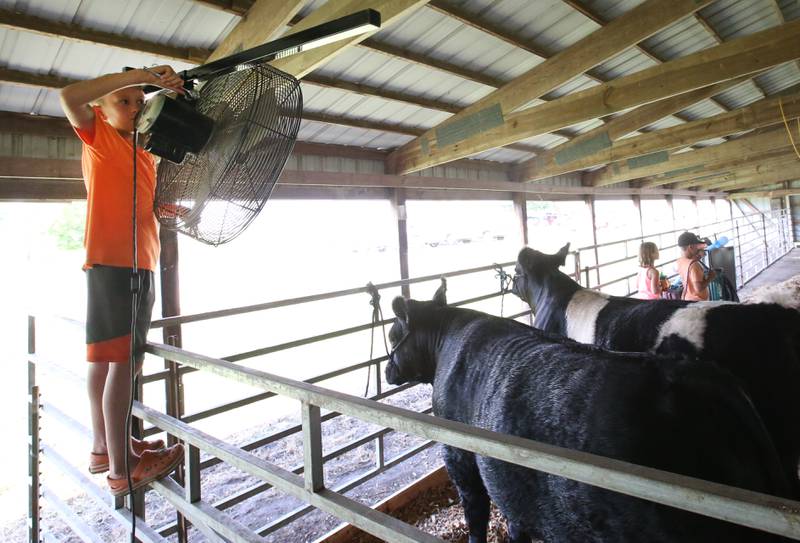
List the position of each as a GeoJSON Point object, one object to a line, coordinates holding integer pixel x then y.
{"type": "Point", "coordinates": [548, 25]}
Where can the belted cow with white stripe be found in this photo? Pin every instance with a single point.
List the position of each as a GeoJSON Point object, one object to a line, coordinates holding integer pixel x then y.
{"type": "Point", "coordinates": [757, 343]}
{"type": "Point", "coordinates": [672, 414]}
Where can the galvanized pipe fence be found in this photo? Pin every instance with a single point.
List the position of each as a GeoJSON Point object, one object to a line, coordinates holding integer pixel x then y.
{"type": "Point", "coordinates": [759, 239]}
{"type": "Point", "coordinates": [305, 481]}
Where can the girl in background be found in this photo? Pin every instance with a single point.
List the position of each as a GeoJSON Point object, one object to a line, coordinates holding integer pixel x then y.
{"type": "Point", "coordinates": [648, 282]}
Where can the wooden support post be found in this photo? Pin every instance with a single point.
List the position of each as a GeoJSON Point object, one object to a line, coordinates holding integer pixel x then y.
{"type": "Point", "coordinates": [312, 448]}
{"type": "Point", "coordinates": [399, 204]}
{"type": "Point", "coordinates": [521, 209]}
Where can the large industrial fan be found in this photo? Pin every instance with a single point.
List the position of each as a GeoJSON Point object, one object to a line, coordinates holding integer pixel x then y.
{"type": "Point", "coordinates": [225, 142]}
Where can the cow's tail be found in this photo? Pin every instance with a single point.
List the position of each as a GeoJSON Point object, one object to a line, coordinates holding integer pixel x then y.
{"type": "Point", "coordinates": [718, 385]}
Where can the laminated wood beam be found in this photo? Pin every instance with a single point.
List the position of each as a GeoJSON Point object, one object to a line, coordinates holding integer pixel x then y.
{"type": "Point", "coordinates": [692, 162]}
{"type": "Point", "coordinates": [602, 150]}
{"type": "Point", "coordinates": [732, 59]}
{"type": "Point", "coordinates": [264, 20]}
{"type": "Point", "coordinates": [780, 193]}
{"type": "Point", "coordinates": [789, 172]}
{"type": "Point", "coordinates": [749, 170]}
{"type": "Point", "coordinates": [540, 166]}
{"type": "Point", "coordinates": [442, 143]}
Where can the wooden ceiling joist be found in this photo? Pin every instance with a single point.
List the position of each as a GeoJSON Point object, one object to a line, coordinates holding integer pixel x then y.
{"type": "Point", "coordinates": [769, 176]}
{"type": "Point", "coordinates": [745, 170]}
{"type": "Point", "coordinates": [264, 21]}
{"type": "Point", "coordinates": [692, 162]}
{"type": "Point", "coordinates": [714, 171]}
{"type": "Point", "coordinates": [495, 111]}
{"type": "Point", "coordinates": [760, 114]}
{"type": "Point", "coordinates": [591, 14]}
{"type": "Point", "coordinates": [732, 59]}
{"type": "Point", "coordinates": [780, 193]}
{"type": "Point", "coordinates": [552, 160]}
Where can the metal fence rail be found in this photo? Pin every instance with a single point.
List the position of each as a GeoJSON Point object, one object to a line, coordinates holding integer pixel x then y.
{"type": "Point", "coordinates": [759, 239]}
{"type": "Point", "coordinates": [763, 512]}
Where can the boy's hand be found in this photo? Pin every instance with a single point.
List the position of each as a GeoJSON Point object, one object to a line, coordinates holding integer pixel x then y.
{"type": "Point", "coordinates": [163, 76]}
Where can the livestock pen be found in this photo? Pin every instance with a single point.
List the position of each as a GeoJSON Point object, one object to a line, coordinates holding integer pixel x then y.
{"type": "Point", "coordinates": [326, 400]}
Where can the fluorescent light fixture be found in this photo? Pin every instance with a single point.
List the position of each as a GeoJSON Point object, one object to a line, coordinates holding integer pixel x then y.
{"type": "Point", "coordinates": [367, 20]}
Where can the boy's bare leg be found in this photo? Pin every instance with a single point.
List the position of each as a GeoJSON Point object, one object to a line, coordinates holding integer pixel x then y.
{"type": "Point", "coordinates": [95, 384]}
{"type": "Point", "coordinates": [116, 397]}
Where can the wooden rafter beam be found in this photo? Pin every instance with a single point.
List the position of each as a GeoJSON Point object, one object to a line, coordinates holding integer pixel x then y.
{"type": "Point", "coordinates": [780, 193]}
{"type": "Point", "coordinates": [753, 167]}
{"type": "Point", "coordinates": [616, 128]}
{"type": "Point", "coordinates": [692, 162]}
{"type": "Point", "coordinates": [713, 171]}
{"type": "Point", "coordinates": [457, 12]}
{"type": "Point", "coordinates": [732, 59]}
{"type": "Point", "coordinates": [264, 20]}
{"type": "Point", "coordinates": [769, 176]}
{"type": "Point", "coordinates": [496, 111]}
{"type": "Point", "coordinates": [582, 8]}
{"type": "Point", "coordinates": [760, 114]}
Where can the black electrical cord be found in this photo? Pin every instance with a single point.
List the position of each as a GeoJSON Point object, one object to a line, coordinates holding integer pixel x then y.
{"type": "Point", "coordinates": [135, 284]}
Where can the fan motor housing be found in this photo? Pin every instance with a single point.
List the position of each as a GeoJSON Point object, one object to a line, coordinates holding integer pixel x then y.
{"type": "Point", "coordinates": [173, 127]}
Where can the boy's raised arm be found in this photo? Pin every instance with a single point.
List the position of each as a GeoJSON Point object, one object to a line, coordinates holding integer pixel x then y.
{"type": "Point", "coordinates": [77, 97]}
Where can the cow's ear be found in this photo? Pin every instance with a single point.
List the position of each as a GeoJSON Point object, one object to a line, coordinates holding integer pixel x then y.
{"type": "Point", "coordinates": [440, 296]}
{"type": "Point", "coordinates": [525, 258]}
{"type": "Point", "coordinates": [400, 308]}
{"type": "Point", "coordinates": [562, 255]}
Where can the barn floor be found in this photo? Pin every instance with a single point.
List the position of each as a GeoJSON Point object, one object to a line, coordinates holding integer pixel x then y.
{"type": "Point", "coordinates": [780, 271]}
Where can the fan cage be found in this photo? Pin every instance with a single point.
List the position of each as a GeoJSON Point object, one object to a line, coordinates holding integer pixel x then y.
{"type": "Point", "coordinates": [213, 196]}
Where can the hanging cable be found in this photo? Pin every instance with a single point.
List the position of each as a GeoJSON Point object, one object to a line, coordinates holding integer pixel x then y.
{"type": "Point", "coordinates": [788, 129]}
{"type": "Point", "coordinates": [135, 285]}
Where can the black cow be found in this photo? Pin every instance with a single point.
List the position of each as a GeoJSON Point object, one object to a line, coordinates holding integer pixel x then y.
{"type": "Point", "coordinates": [758, 343]}
{"type": "Point", "coordinates": [500, 375]}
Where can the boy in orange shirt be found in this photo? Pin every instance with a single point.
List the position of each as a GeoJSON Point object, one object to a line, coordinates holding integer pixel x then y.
{"type": "Point", "coordinates": [103, 112]}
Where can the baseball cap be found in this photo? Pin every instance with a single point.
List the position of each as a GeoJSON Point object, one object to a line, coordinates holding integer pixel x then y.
{"type": "Point", "coordinates": [690, 238]}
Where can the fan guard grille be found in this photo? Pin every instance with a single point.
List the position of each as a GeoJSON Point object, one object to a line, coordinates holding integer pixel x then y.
{"type": "Point", "coordinates": [212, 196]}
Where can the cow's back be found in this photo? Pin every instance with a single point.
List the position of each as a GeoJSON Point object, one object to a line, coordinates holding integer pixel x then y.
{"type": "Point", "coordinates": [666, 414]}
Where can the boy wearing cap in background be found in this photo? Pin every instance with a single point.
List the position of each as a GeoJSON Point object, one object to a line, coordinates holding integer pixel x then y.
{"type": "Point", "coordinates": [695, 280]}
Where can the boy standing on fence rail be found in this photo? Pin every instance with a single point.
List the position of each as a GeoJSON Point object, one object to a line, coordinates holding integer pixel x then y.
{"type": "Point", "coordinates": [103, 112]}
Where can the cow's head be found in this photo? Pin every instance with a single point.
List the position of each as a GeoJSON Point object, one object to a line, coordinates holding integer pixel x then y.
{"type": "Point", "coordinates": [412, 336]}
{"type": "Point", "coordinates": [532, 271]}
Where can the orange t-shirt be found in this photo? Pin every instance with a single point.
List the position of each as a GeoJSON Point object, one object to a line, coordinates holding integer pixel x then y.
{"type": "Point", "coordinates": [691, 277]}
{"type": "Point", "coordinates": [107, 165]}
